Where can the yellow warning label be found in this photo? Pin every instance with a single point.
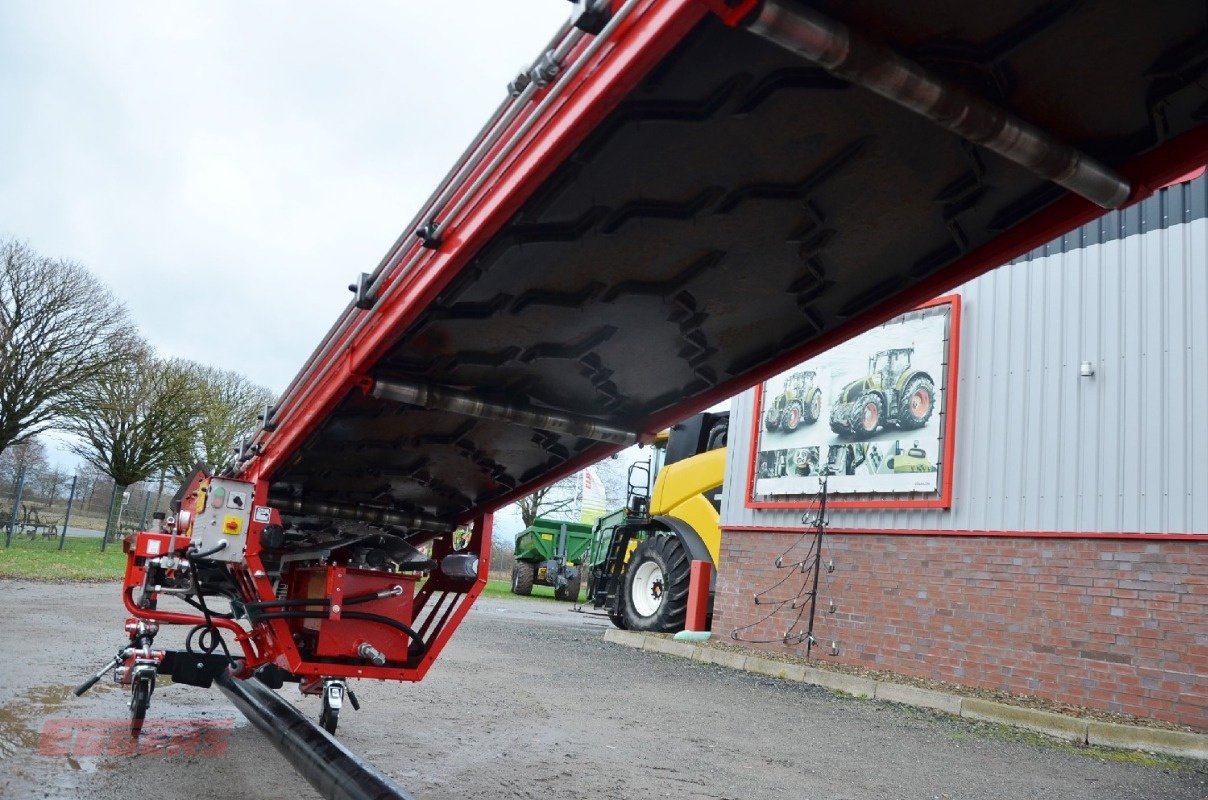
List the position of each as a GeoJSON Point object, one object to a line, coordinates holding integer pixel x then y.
{"type": "Point", "coordinates": [232, 525]}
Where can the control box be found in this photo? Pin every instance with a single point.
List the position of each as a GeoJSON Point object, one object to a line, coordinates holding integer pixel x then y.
{"type": "Point", "coordinates": [222, 512]}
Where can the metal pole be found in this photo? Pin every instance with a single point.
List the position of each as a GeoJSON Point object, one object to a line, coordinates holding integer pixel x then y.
{"type": "Point", "coordinates": [845, 53]}
{"type": "Point", "coordinates": [809, 634]}
{"type": "Point", "coordinates": [334, 770]}
{"type": "Point", "coordinates": [109, 516]}
{"type": "Point", "coordinates": [142, 525]}
{"type": "Point", "coordinates": [12, 519]}
{"type": "Point", "coordinates": [159, 495]}
{"type": "Point", "coordinates": [67, 515]}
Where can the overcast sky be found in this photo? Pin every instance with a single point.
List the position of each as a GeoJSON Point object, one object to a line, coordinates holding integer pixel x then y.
{"type": "Point", "coordinates": [229, 167]}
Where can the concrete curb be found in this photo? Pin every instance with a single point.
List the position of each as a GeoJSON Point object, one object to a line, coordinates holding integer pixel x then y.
{"type": "Point", "coordinates": [1073, 729]}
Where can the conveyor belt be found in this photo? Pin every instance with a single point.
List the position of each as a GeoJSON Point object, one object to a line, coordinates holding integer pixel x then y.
{"type": "Point", "coordinates": [692, 207]}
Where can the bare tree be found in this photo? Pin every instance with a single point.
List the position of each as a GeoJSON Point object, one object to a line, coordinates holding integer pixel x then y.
{"type": "Point", "coordinates": [230, 407]}
{"type": "Point", "coordinates": [138, 417]}
{"type": "Point", "coordinates": [27, 456]}
{"type": "Point", "coordinates": [49, 483]}
{"type": "Point", "coordinates": [59, 327]}
{"type": "Point", "coordinates": [559, 498]}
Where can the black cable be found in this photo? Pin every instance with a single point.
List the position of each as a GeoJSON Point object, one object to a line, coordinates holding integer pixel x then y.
{"type": "Point", "coordinates": [199, 607]}
{"type": "Point", "coordinates": [361, 615]}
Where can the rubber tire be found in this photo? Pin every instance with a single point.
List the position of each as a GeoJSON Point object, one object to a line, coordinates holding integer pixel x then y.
{"type": "Point", "coordinates": [573, 587]}
{"type": "Point", "coordinates": [329, 719]}
{"type": "Point", "coordinates": [523, 575]}
{"type": "Point", "coordinates": [669, 553]}
{"type": "Point", "coordinates": [906, 420]}
{"type": "Point", "coordinates": [719, 434]}
{"type": "Point", "coordinates": [140, 701]}
{"type": "Point", "coordinates": [787, 421]}
{"type": "Point", "coordinates": [860, 430]}
{"type": "Point", "coordinates": [591, 584]}
{"type": "Point", "coordinates": [813, 409]}
{"type": "Point", "coordinates": [839, 428]}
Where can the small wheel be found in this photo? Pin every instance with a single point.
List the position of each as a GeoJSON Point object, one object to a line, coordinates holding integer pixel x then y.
{"type": "Point", "coordinates": [523, 574]}
{"type": "Point", "coordinates": [140, 701]}
{"type": "Point", "coordinates": [329, 717]}
{"type": "Point", "coordinates": [572, 588]}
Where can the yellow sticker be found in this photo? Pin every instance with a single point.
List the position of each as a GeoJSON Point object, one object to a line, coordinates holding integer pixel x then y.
{"type": "Point", "coordinates": [232, 525]}
{"type": "Point", "coordinates": [200, 504]}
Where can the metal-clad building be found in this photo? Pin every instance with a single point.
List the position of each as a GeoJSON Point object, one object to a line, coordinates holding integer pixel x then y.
{"type": "Point", "coordinates": [1054, 539]}
{"type": "Point", "coordinates": [1038, 446]}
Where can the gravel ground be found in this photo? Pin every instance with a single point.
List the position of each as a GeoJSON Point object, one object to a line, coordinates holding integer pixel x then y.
{"type": "Point", "coordinates": [529, 702]}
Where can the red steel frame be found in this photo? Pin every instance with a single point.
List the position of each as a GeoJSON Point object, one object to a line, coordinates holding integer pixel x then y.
{"type": "Point", "coordinates": [943, 498]}
{"type": "Point", "coordinates": [438, 607]}
{"type": "Point", "coordinates": [650, 33]}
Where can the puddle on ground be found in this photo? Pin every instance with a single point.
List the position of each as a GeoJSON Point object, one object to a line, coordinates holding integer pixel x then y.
{"type": "Point", "coordinates": [20, 718]}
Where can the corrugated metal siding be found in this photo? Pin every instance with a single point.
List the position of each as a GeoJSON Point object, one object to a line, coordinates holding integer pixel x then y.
{"type": "Point", "coordinates": [1039, 448]}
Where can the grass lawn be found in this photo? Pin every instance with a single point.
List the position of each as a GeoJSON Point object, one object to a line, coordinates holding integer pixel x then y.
{"type": "Point", "coordinates": [80, 560]}
{"type": "Point", "coordinates": [502, 587]}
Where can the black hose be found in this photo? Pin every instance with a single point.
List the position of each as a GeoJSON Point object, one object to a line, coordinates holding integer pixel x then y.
{"type": "Point", "coordinates": [356, 599]}
{"type": "Point", "coordinates": [302, 601]}
{"type": "Point", "coordinates": [378, 618]}
{"type": "Point", "coordinates": [207, 553]}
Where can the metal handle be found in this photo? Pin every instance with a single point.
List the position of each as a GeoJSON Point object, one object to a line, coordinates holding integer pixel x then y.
{"type": "Point", "coordinates": [88, 684]}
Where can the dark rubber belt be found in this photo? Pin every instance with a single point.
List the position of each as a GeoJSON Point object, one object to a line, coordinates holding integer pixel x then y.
{"type": "Point", "coordinates": [330, 767]}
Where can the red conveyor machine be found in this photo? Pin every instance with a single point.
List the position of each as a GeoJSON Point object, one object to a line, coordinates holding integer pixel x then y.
{"type": "Point", "coordinates": [678, 199]}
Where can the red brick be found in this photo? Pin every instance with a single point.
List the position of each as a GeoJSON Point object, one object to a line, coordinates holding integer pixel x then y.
{"type": "Point", "coordinates": [1029, 616]}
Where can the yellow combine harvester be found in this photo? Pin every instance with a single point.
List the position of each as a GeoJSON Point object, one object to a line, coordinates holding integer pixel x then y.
{"type": "Point", "coordinates": [640, 556]}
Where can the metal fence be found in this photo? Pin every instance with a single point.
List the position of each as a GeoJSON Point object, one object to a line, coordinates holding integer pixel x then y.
{"type": "Point", "coordinates": [82, 510]}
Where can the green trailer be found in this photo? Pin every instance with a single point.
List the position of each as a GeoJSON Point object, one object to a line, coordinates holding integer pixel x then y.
{"type": "Point", "coordinates": [548, 553]}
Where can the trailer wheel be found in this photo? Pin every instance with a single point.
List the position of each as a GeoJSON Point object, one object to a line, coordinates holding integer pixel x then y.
{"type": "Point", "coordinates": [523, 574]}
{"type": "Point", "coordinates": [656, 585]}
{"type": "Point", "coordinates": [140, 701]}
{"type": "Point", "coordinates": [572, 588]}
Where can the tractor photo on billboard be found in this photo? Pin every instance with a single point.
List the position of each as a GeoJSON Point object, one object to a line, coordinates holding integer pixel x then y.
{"type": "Point", "coordinates": [891, 394]}
{"type": "Point", "coordinates": [799, 403]}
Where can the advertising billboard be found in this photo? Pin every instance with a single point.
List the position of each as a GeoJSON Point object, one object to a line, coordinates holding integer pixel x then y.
{"type": "Point", "coordinates": [873, 414]}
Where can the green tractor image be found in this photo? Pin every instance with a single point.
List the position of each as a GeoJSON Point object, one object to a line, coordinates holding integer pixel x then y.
{"type": "Point", "coordinates": [892, 394]}
{"type": "Point", "coordinates": [800, 403]}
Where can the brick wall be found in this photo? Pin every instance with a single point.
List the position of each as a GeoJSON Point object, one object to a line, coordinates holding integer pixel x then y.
{"type": "Point", "coordinates": [1111, 624]}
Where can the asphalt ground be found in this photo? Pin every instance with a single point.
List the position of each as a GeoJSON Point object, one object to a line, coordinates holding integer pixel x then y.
{"type": "Point", "coordinates": [527, 701]}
